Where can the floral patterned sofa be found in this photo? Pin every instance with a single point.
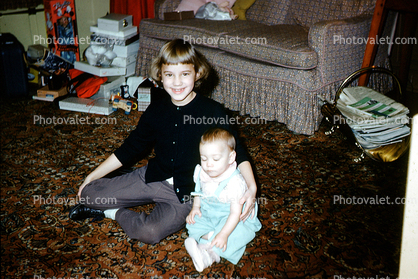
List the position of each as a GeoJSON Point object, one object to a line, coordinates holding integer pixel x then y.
{"type": "Point", "coordinates": [274, 64]}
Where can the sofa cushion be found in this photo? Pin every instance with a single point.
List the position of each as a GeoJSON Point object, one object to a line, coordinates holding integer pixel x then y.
{"type": "Point", "coordinates": [270, 12]}
{"type": "Point", "coordinates": [284, 45]}
{"type": "Point", "coordinates": [196, 31]}
{"type": "Point", "coordinates": [307, 13]}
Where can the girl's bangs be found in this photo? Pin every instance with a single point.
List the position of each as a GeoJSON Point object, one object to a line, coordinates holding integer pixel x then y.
{"type": "Point", "coordinates": [178, 56]}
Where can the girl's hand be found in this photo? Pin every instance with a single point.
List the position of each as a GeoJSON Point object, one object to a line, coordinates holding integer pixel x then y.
{"type": "Point", "coordinates": [249, 200]}
{"type": "Point", "coordinates": [249, 196]}
{"type": "Point", "coordinates": [110, 164]}
{"type": "Point", "coordinates": [86, 181]}
{"type": "Point", "coordinates": [220, 241]}
{"type": "Point", "coordinates": [190, 218]}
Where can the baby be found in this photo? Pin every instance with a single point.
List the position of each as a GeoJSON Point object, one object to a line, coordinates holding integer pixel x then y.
{"type": "Point", "coordinates": [214, 225]}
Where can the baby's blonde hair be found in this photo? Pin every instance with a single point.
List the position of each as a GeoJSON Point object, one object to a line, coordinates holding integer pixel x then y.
{"type": "Point", "coordinates": [214, 134]}
{"type": "Point", "coordinates": [176, 52]}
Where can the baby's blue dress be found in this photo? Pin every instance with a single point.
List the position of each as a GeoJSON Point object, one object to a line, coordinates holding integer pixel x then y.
{"type": "Point", "coordinates": [214, 216]}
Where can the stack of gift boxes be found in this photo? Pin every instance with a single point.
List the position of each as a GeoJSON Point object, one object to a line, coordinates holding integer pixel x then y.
{"type": "Point", "coordinates": [117, 31]}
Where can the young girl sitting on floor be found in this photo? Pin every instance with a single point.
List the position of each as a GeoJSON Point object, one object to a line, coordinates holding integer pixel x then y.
{"type": "Point", "coordinates": [168, 176]}
{"type": "Point", "coordinates": [214, 225]}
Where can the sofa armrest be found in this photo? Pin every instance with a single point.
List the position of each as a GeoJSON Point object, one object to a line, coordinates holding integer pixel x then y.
{"type": "Point", "coordinates": [164, 6]}
{"type": "Point", "coordinates": [340, 45]}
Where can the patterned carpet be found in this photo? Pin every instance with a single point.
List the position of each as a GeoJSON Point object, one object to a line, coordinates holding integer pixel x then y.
{"type": "Point", "coordinates": [307, 186]}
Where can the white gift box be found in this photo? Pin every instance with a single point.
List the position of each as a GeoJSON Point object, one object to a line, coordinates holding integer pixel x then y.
{"type": "Point", "coordinates": [125, 61]}
{"type": "Point", "coordinates": [122, 35]}
{"type": "Point", "coordinates": [126, 51]}
{"type": "Point", "coordinates": [114, 22]}
{"type": "Point", "coordinates": [100, 71]}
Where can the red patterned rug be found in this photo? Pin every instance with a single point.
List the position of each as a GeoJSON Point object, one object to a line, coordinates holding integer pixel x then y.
{"type": "Point", "coordinates": [317, 206]}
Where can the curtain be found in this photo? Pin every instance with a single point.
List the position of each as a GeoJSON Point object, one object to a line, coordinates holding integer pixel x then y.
{"type": "Point", "coordinates": [139, 9]}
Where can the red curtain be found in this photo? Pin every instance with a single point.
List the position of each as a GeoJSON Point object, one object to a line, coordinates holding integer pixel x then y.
{"type": "Point", "coordinates": [139, 9]}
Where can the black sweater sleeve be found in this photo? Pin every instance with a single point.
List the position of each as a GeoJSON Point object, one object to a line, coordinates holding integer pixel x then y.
{"type": "Point", "coordinates": [139, 142]}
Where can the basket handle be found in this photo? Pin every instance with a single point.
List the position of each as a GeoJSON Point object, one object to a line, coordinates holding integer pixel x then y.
{"type": "Point", "coordinates": [357, 73]}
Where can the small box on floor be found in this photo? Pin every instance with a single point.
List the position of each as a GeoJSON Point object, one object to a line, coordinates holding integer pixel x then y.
{"type": "Point", "coordinates": [144, 98]}
{"type": "Point", "coordinates": [44, 92]}
{"type": "Point", "coordinates": [111, 87]}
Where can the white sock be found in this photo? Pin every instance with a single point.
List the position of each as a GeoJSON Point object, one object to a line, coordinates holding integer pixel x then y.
{"type": "Point", "coordinates": [111, 213]}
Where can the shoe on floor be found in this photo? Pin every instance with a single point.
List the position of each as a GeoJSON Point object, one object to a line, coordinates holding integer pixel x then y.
{"type": "Point", "coordinates": [81, 212]}
{"type": "Point", "coordinates": [201, 257]}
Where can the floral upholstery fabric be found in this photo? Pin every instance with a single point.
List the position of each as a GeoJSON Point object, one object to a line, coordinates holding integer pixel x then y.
{"type": "Point", "coordinates": [285, 45]}
{"type": "Point", "coordinates": [282, 79]}
{"type": "Point", "coordinates": [307, 13]}
{"type": "Point", "coordinates": [270, 12]}
{"type": "Point", "coordinates": [324, 38]}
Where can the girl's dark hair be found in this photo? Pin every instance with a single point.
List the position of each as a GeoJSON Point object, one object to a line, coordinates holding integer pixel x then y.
{"type": "Point", "coordinates": [179, 51]}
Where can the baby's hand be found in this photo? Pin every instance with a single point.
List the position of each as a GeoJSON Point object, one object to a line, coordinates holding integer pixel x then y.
{"type": "Point", "coordinates": [193, 212]}
{"type": "Point", "coordinates": [220, 241]}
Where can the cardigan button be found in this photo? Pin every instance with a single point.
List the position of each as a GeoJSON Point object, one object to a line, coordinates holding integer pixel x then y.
{"type": "Point", "coordinates": [177, 190]}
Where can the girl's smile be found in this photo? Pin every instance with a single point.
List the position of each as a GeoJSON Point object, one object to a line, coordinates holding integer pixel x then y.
{"type": "Point", "coordinates": [178, 80]}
